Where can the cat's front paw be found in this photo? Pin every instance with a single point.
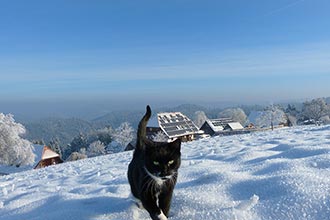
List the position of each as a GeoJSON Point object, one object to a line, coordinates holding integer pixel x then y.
{"type": "Point", "coordinates": [161, 216]}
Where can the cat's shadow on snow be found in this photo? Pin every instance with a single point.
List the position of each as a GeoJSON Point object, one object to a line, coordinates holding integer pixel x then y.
{"type": "Point", "coordinates": [285, 151]}
{"type": "Point", "coordinates": [202, 180]}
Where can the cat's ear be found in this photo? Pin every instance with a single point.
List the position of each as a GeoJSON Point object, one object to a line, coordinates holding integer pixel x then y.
{"type": "Point", "coordinates": [176, 144]}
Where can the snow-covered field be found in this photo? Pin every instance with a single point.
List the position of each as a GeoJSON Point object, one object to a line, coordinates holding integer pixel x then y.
{"type": "Point", "coordinates": [280, 175]}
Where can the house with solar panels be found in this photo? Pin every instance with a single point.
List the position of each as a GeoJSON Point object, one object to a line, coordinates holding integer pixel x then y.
{"type": "Point", "coordinates": [174, 125]}
{"type": "Point", "coordinates": [221, 126]}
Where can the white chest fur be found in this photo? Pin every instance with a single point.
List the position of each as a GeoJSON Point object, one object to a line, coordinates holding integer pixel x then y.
{"type": "Point", "coordinates": [157, 179]}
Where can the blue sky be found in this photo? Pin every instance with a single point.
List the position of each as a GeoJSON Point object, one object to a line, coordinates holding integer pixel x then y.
{"type": "Point", "coordinates": [184, 50]}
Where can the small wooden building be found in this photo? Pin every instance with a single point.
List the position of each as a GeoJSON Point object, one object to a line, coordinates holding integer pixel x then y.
{"type": "Point", "coordinates": [46, 157]}
{"type": "Point", "coordinates": [250, 126]}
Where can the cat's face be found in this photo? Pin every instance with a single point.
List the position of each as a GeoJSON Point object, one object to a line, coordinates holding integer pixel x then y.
{"type": "Point", "coordinates": [163, 159]}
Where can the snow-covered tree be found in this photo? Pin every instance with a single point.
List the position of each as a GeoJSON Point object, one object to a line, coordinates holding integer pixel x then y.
{"type": "Point", "coordinates": [82, 151]}
{"type": "Point", "coordinates": [123, 134]}
{"type": "Point", "coordinates": [272, 116]}
{"type": "Point", "coordinates": [199, 118]}
{"type": "Point", "coordinates": [54, 144]}
{"type": "Point", "coordinates": [325, 119]}
{"type": "Point", "coordinates": [104, 135]}
{"type": "Point", "coordinates": [160, 136]}
{"type": "Point", "coordinates": [96, 148]}
{"type": "Point", "coordinates": [237, 114]}
{"type": "Point", "coordinates": [76, 156]}
{"type": "Point", "coordinates": [314, 110]}
{"type": "Point", "coordinates": [292, 120]}
{"type": "Point", "coordinates": [292, 114]}
{"type": "Point", "coordinates": [14, 150]}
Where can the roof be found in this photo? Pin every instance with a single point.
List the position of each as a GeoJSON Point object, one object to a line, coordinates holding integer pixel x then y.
{"type": "Point", "coordinates": [43, 152]}
{"type": "Point", "coordinates": [220, 124]}
{"type": "Point", "coordinates": [174, 124]}
{"type": "Point", "coordinates": [48, 153]}
{"type": "Point", "coordinates": [235, 125]}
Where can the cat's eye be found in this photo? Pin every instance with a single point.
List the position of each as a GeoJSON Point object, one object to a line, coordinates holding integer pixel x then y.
{"type": "Point", "coordinates": [170, 162]}
{"type": "Point", "coordinates": [156, 163]}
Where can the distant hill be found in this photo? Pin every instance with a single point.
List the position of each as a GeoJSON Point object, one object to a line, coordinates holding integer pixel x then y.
{"type": "Point", "coordinates": [65, 129]}
{"type": "Point", "coordinates": [115, 118]}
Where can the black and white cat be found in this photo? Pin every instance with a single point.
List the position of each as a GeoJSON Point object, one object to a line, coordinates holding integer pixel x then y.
{"type": "Point", "coordinates": [153, 171]}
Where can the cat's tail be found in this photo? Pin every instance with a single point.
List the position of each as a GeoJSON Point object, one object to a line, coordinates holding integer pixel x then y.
{"type": "Point", "coordinates": [142, 129]}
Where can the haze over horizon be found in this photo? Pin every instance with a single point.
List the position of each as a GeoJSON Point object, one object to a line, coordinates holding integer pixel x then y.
{"type": "Point", "coordinates": [154, 52]}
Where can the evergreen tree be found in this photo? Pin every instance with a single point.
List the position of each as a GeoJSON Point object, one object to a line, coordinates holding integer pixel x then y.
{"type": "Point", "coordinates": [54, 144]}
{"type": "Point", "coordinates": [77, 143]}
{"type": "Point", "coordinates": [292, 110]}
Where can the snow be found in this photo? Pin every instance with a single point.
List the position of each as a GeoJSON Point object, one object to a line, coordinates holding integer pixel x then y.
{"type": "Point", "coordinates": [282, 174]}
{"type": "Point", "coordinates": [235, 125]}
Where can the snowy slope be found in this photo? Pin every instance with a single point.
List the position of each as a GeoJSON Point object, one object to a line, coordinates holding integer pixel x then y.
{"type": "Point", "coordinates": [284, 174]}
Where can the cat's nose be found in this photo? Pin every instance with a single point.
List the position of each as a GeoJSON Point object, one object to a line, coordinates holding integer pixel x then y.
{"type": "Point", "coordinates": [164, 174]}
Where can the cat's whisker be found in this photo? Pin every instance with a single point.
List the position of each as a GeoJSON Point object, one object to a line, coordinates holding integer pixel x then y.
{"type": "Point", "coordinates": [148, 184]}
{"type": "Point", "coordinates": [174, 178]}
{"type": "Point", "coordinates": [145, 184]}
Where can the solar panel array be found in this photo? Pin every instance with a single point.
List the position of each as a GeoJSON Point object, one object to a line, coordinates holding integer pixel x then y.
{"type": "Point", "coordinates": [221, 122]}
{"type": "Point", "coordinates": [176, 124]}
